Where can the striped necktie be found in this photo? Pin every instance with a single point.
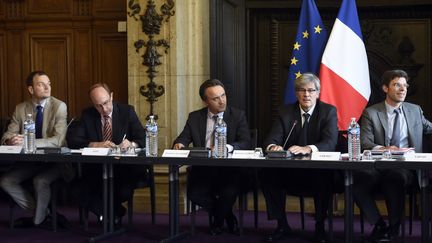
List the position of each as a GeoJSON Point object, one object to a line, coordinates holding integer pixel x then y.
{"type": "Point", "coordinates": [107, 129]}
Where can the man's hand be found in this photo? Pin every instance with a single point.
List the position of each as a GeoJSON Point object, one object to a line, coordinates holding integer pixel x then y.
{"type": "Point", "coordinates": [178, 146]}
{"type": "Point", "coordinates": [300, 150]}
{"type": "Point", "coordinates": [16, 139]}
{"type": "Point", "coordinates": [125, 144]}
{"type": "Point", "coordinates": [275, 148]}
{"type": "Point", "coordinates": [104, 144]}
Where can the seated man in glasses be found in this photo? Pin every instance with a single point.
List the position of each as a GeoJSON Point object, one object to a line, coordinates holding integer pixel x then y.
{"type": "Point", "coordinates": [314, 128]}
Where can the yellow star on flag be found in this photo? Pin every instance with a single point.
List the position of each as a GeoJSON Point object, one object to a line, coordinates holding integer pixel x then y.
{"type": "Point", "coordinates": [298, 74]}
{"type": "Point", "coordinates": [318, 29]}
{"type": "Point", "coordinates": [294, 61]}
{"type": "Point", "coordinates": [305, 34]}
{"type": "Point", "coordinates": [297, 46]}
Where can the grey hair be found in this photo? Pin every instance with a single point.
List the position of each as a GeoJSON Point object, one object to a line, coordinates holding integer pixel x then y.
{"type": "Point", "coordinates": [306, 78]}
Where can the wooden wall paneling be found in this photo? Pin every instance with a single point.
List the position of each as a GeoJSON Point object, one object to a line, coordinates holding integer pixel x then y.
{"type": "Point", "coordinates": [2, 13]}
{"type": "Point", "coordinates": [228, 48]}
{"type": "Point", "coordinates": [3, 108]}
{"type": "Point", "coordinates": [49, 8]}
{"type": "Point", "coordinates": [110, 60]}
{"type": "Point", "coordinates": [83, 68]}
{"type": "Point", "coordinates": [52, 53]}
{"type": "Point", "coordinates": [110, 9]}
{"type": "Point", "coordinates": [15, 90]}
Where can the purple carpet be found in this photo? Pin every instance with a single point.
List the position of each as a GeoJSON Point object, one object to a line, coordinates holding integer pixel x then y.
{"type": "Point", "coordinates": [144, 231]}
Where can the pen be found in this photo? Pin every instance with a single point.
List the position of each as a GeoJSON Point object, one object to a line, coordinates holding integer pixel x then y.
{"type": "Point", "coordinates": [124, 137]}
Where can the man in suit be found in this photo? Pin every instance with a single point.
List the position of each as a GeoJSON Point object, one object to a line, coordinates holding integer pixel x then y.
{"type": "Point", "coordinates": [314, 128]}
{"type": "Point", "coordinates": [50, 116]}
{"type": "Point", "coordinates": [215, 188]}
{"type": "Point", "coordinates": [391, 124]}
{"type": "Point", "coordinates": [107, 124]}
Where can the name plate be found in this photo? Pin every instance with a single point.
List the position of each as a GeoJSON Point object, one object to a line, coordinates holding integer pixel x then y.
{"type": "Point", "coordinates": [173, 153]}
{"type": "Point", "coordinates": [95, 151]}
{"type": "Point", "coordinates": [326, 156]}
{"type": "Point", "coordinates": [420, 157]}
{"type": "Point", "coordinates": [6, 149]}
{"type": "Point", "coordinates": [245, 154]}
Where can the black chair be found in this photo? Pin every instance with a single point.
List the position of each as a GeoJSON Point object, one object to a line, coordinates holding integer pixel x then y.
{"type": "Point", "coordinates": [251, 185]}
{"type": "Point", "coordinates": [341, 146]}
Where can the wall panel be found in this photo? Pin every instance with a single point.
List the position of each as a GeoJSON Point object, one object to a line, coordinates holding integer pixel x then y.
{"type": "Point", "coordinates": [59, 37]}
{"type": "Point", "coordinates": [52, 53]}
{"type": "Point", "coordinates": [111, 63]}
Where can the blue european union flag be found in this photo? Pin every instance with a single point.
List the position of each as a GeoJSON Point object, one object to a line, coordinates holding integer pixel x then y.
{"type": "Point", "coordinates": [308, 48]}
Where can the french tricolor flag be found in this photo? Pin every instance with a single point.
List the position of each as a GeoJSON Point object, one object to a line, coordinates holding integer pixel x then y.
{"type": "Point", "coordinates": [344, 71]}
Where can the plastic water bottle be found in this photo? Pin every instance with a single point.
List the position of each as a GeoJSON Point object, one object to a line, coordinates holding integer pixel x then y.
{"type": "Point", "coordinates": [151, 137]}
{"type": "Point", "coordinates": [220, 139]}
{"type": "Point", "coordinates": [29, 135]}
{"type": "Point", "coordinates": [354, 140]}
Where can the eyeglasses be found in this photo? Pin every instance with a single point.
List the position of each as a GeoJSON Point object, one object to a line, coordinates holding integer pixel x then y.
{"type": "Point", "coordinates": [398, 85]}
{"type": "Point", "coordinates": [310, 91]}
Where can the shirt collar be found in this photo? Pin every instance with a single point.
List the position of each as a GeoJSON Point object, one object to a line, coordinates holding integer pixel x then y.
{"type": "Point", "coordinates": [310, 111]}
{"type": "Point", "coordinates": [390, 109]}
{"type": "Point", "coordinates": [210, 114]}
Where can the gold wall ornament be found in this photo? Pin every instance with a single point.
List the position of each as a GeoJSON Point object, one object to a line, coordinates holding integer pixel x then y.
{"type": "Point", "coordinates": [151, 24]}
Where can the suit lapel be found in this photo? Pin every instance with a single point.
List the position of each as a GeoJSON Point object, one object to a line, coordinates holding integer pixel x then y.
{"type": "Point", "coordinates": [202, 127]}
{"type": "Point", "coordinates": [383, 119]}
{"type": "Point", "coordinates": [97, 124]}
{"type": "Point", "coordinates": [116, 124]}
{"type": "Point", "coordinates": [47, 116]}
{"type": "Point", "coordinates": [409, 118]}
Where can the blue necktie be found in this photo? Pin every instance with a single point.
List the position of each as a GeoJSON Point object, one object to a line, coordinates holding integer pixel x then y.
{"type": "Point", "coordinates": [39, 121]}
{"type": "Point", "coordinates": [395, 140]}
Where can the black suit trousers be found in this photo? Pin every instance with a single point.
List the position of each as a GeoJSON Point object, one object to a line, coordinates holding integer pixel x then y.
{"type": "Point", "coordinates": [276, 183]}
{"type": "Point", "coordinates": [215, 189]}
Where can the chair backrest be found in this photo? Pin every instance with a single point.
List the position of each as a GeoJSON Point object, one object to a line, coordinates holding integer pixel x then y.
{"type": "Point", "coordinates": [342, 143]}
{"type": "Point", "coordinates": [254, 137]}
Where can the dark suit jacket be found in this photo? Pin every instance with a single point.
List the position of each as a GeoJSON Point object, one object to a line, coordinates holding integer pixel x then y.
{"type": "Point", "coordinates": [124, 121]}
{"type": "Point", "coordinates": [322, 132]}
{"type": "Point", "coordinates": [195, 129]}
{"type": "Point", "coordinates": [374, 126]}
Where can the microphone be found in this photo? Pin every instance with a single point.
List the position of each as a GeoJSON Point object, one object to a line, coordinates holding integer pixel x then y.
{"type": "Point", "coordinates": [289, 134]}
{"type": "Point", "coordinates": [283, 153]}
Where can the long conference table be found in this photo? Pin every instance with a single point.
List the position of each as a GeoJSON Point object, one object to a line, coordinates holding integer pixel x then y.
{"type": "Point", "coordinates": [174, 163]}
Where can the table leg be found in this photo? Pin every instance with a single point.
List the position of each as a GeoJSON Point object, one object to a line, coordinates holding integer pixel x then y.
{"type": "Point", "coordinates": [424, 184]}
{"type": "Point", "coordinates": [174, 205]}
{"type": "Point", "coordinates": [349, 207]}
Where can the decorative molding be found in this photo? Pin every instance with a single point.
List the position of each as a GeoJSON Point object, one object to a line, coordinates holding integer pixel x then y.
{"type": "Point", "coordinates": [83, 8]}
{"type": "Point", "coordinates": [274, 63]}
{"type": "Point", "coordinates": [151, 24]}
{"type": "Point", "coordinates": [15, 9]}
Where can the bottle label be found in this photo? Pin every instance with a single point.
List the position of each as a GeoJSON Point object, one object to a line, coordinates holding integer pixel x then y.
{"type": "Point", "coordinates": [30, 126]}
{"type": "Point", "coordinates": [221, 130]}
{"type": "Point", "coordinates": [152, 128]}
{"type": "Point", "coordinates": [354, 131]}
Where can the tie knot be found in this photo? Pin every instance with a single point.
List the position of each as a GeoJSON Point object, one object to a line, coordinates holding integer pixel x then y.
{"type": "Point", "coordinates": [215, 117]}
{"type": "Point", "coordinates": [397, 111]}
{"type": "Point", "coordinates": [39, 108]}
{"type": "Point", "coordinates": [106, 118]}
{"type": "Point", "coordinates": [306, 116]}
